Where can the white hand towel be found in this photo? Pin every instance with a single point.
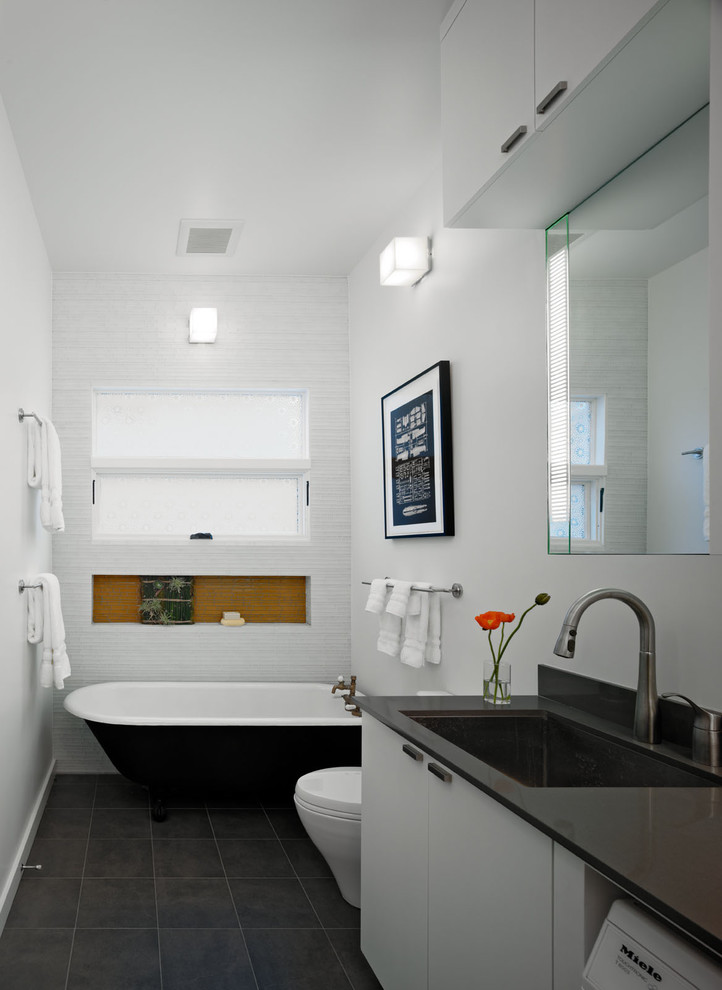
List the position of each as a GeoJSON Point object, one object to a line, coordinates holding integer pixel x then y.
{"type": "Point", "coordinates": [389, 640]}
{"type": "Point", "coordinates": [432, 653]}
{"type": "Point", "coordinates": [417, 627]}
{"type": "Point", "coordinates": [377, 596]}
{"type": "Point", "coordinates": [398, 602]}
{"type": "Point", "coordinates": [35, 614]}
{"type": "Point", "coordinates": [55, 665]}
{"type": "Point", "coordinates": [35, 455]}
{"type": "Point", "coordinates": [705, 489]}
{"type": "Point", "coordinates": [45, 473]}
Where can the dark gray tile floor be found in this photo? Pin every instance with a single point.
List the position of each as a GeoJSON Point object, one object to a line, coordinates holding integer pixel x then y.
{"type": "Point", "coordinates": [224, 895]}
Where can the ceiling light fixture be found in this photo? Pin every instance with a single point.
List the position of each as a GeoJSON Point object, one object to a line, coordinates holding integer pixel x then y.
{"type": "Point", "coordinates": [203, 324]}
{"type": "Point", "coordinates": [405, 260]}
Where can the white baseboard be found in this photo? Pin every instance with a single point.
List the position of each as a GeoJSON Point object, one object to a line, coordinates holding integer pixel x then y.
{"type": "Point", "coordinates": [13, 880]}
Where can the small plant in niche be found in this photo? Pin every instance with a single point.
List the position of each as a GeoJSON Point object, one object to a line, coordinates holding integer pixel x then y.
{"type": "Point", "coordinates": [166, 601]}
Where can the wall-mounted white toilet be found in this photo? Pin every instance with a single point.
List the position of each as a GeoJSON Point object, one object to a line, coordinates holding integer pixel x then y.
{"type": "Point", "coordinates": [329, 806]}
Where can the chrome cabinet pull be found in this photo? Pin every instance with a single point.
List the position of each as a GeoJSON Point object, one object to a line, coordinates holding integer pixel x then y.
{"type": "Point", "coordinates": [440, 772]}
{"type": "Point", "coordinates": [415, 754]}
{"type": "Point", "coordinates": [511, 141]}
{"type": "Point", "coordinates": [552, 96]}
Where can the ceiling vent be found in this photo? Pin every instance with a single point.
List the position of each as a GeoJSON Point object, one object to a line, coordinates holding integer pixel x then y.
{"type": "Point", "coordinates": [208, 237]}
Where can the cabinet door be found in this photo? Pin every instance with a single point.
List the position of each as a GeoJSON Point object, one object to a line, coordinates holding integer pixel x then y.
{"type": "Point", "coordinates": [572, 38]}
{"type": "Point", "coordinates": [487, 90]}
{"type": "Point", "coordinates": [394, 859]}
{"type": "Point", "coordinates": [490, 893]}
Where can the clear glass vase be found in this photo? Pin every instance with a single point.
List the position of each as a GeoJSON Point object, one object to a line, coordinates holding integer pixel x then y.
{"type": "Point", "coordinates": [497, 682]}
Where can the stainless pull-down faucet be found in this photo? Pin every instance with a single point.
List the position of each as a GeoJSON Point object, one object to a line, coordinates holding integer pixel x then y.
{"type": "Point", "coordinates": [646, 725]}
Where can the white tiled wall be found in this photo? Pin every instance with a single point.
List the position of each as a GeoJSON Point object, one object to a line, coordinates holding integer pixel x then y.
{"type": "Point", "coordinates": [127, 330]}
{"type": "Point", "coordinates": [609, 355]}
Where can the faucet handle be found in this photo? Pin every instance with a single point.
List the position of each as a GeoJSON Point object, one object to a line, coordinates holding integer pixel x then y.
{"type": "Point", "coordinates": [343, 686]}
{"type": "Point", "coordinates": [706, 732]}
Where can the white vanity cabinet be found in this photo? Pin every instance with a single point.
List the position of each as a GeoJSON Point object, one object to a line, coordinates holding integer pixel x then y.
{"type": "Point", "coordinates": [572, 38]}
{"type": "Point", "coordinates": [456, 890]}
{"type": "Point", "coordinates": [487, 93]}
{"type": "Point", "coordinates": [394, 858]}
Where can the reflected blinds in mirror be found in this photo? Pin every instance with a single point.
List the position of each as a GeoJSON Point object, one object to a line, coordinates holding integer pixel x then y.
{"type": "Point", "coordinates": [557, 239]}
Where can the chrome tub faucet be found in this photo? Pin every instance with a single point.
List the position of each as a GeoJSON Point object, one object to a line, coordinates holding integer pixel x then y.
{"type": "Point", "coordinates": [646, 721]}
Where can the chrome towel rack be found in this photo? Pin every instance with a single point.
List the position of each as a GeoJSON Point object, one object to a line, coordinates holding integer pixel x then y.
{"type": "Point", "coordinates": [23, 415]}
{"type": "Point", "coordinates": [697, 453]}
{"type": "Point", "coordinates": [456, 590]}
{"type": "Point", "coordinates": [24, 587]}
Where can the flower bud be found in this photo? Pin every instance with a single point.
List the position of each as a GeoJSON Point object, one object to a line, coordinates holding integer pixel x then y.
{"type": "Point", "coordinates": [542, 599]}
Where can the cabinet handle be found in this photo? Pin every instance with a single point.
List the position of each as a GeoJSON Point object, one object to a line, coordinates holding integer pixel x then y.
{"type": "Point", "coordinates": [440, 772]}
{"type": "Point", "coordinates": [551, 96]}
{"type": "Point", "coordinates": [511, 141]}
{"type": "Point", "coordinates": [415, 754]}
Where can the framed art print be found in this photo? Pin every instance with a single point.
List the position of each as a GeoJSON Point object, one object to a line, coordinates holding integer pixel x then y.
{"type": "Point", "coordinates": [418, 480]}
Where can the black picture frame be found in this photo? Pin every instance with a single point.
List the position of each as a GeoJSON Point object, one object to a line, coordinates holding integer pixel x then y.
{"type": "Point", "coordinates": [417, 456]}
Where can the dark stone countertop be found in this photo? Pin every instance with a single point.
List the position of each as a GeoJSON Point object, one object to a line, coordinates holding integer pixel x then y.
{"type": "Point", "coordinates": [662, 845]}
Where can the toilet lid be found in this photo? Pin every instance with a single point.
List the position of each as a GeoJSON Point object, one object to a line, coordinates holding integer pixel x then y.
{"type": "Point", "coordinates": [336, 789]}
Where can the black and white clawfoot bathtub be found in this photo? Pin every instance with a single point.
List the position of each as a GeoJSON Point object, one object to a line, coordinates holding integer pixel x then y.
{"type": "Point", "coordinates": [246, 738]}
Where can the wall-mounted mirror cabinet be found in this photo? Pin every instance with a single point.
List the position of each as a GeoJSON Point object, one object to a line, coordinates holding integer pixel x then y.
{"type": "Point", "coordinates": [628, 326]}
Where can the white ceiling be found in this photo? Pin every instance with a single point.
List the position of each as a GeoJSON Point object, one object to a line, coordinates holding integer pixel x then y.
{"type": "Point", "coordinates": [311, 120]}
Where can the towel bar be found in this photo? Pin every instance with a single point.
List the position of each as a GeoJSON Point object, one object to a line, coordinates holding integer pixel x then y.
{"type": "Point", "coordinates": [23, 415]}
{"type": "Point", "coordinates": [24, 587]}
{"type": "Point", "coordinates": [456, 590]}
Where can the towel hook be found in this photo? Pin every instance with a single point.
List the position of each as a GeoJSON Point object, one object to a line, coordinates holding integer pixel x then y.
{"type": "Point", "coordinates": [23, 415]}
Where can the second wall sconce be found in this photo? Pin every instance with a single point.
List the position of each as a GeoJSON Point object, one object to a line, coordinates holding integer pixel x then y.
{"type": "Point", "coordinates": [405, 261]}
{"type": "Point", "coordinates": [203, 324]}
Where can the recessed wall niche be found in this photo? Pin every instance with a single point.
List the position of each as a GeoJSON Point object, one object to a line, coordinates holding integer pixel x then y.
{"type": "Point", "coordinates": [117, 598]}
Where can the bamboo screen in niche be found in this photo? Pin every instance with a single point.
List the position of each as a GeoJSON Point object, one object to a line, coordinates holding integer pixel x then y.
{"type": "Point", "coordinates": [117, 598]}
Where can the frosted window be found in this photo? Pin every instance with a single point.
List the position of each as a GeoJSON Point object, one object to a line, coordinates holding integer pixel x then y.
{"type": "Point", "coordinates": [192, 424]}
{"type": "Point", "coordinates": [578, 515]}
{"type": "Point", "coordinates": [178, 505]}
{"type": "Point", "coordinates": [581, 432]}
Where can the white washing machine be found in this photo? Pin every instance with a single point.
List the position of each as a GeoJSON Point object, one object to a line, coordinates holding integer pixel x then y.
{"type": "Point", "coordinates": [635, 951]}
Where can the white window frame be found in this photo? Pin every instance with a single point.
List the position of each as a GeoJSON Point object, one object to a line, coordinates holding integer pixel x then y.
{"type": "Point", "coordinates": [299, 468]}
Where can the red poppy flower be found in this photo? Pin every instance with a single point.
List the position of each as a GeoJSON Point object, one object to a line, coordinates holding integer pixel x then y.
{"type": "Point", "coordinates": [507, 616]}
{"type": "Point", "coordinates": [490, 620]}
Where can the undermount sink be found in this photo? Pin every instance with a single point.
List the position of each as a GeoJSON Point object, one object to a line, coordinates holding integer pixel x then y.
{"type": "Point", "coordinates": [539, 749]}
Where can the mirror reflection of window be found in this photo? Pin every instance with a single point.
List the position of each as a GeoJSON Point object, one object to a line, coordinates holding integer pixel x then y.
{"type": "Point", "coordinates": [638, 337]}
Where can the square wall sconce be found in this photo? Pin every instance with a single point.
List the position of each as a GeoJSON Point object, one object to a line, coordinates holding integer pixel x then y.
{"type": "Point", "coordinates": [405, 260]}
{"type": "Point", "coordinates": [203, 325]}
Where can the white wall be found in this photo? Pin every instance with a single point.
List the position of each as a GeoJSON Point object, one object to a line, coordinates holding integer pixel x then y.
{"type": "Point", "coordinates": [482, 307]}
{"type": "Point", "coordinates": [678, 404]}
{"type": "Point", "coordinates": [118, 330]}
{"type": "Point", "coordinates": [25, 707]}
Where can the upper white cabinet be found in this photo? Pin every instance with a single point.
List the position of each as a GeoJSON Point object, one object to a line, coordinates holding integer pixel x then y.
{"type": "Point", "coordinates": [573, 39]}
{"type": "Point", "coordinates": [487, 93]}
{"type": "Point", "coordinates": [634, 70]}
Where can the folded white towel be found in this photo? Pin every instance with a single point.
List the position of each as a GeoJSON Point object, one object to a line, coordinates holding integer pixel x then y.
{"type": "Point", "coordinates": [34, 598]}
{"type": "Point", "coordinates": [389, 640]}
{"type": "Point", "coordinates": [705, 489]}
{"type": "Point", "coordinates": [45, 622]}
{"type": "Point", "coordinates": [417, 627]}
{"type": "Point", "coordinates": [45, 472]}
{"type": "Point", "coordinates": [377, 596]}
{"type": "Point", "coordinates": [432, 653]}
{"type": "Point", "coordinates": [398, 602]}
